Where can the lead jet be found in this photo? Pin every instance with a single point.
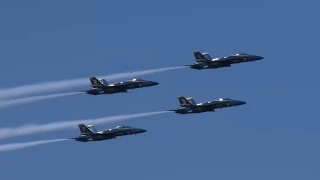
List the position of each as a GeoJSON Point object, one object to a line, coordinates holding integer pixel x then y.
{"type": "Point", "coordinates": [102, 87]}
{"type": "Point", "coordinates": [204, 60]}
{"type": "Point", "coordinates": [190, 106]}
{"type": "Point", "coordinates": [89, 133]}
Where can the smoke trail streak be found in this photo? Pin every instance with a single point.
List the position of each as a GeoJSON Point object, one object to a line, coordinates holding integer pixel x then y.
{"type": "Point", "coordinates": [44, 128]}
{"type": "Point", "coordinates": [15, 102]}
{"type": "Point", "coordinates": [16, 146]}
{"type": "Point", "coordinates": [73, 83]}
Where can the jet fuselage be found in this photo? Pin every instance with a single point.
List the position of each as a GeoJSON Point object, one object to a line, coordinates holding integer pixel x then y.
{"type": "Point", "coordinates": [121, 87]}
{"type": "Point", "coordinates": [224, 61]}
{"type": "Point", "coordinates": [110, 134]}
{"type": "Point", "coordinates": [208, 106]}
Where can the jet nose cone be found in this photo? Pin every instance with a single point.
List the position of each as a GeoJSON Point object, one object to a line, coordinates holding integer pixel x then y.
{"type": "Point", "coordinates": [259, 57]}
{"type": "Point", "coordinates": [154, 83]}
{"type": "Point", "coordinates": [242, 102]}
{"type": "Point", "coordinates": [142, 130]}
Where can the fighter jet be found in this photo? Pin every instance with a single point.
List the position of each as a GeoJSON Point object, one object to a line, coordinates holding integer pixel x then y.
{"type": "Point", "coordinates": [190, 106]}
{"type": "Point", "coordinates": [89, 133]}
{"type": "Point", "coordinates": [204, 60]}
{"type": "Point", "coordinates": [102, 87]}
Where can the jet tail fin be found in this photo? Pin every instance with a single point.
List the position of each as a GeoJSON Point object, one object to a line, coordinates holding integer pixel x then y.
{"type": "Point", "coordinates": [103, 81]}
{"type": "Point", "coordinates": [190, 99]}
{"type": "Point", "coordinates": [95, 82]}
{"type": "Point", "coordinates": [207, 56]}
{"type": "Point", "coordinates": [84, 129]}
{"type": "Point", "coordinates": [91, 128]}
{"type": "Point", "coordinates": [199, 57]}
{"type": "Point", "coordinates": [184, 102]}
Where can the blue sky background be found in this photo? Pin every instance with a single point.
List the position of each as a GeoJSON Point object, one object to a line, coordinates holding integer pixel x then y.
{"type": "Point", "coordinates": [274, 136]}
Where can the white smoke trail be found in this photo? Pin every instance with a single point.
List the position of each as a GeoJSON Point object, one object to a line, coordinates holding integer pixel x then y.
{"type": "Point", "coordinates": [73, 83]}
{"type": "Point", "coordinates": [15, 102]}
{"type": "Point", "coordinates": [44, 128]}
{"type": "Point", "coordinates": [16, 146]}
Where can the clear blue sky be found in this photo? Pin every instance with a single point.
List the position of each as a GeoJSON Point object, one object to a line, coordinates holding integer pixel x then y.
{"type": "Point", "coordinates": [274, 136]}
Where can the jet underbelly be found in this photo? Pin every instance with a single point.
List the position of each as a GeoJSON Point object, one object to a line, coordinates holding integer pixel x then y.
{"type": "Point", "coordinates": [239, 60]}
{"type": "Point", "coordinates": [109, 89]}
{"type": "Point", "coordinates": [198, 109]}
{"type": "Point", "coordinates": [219, 63]}
{"type": "Point", "coordinates": [140, 84]}
{"type": "Point", "coordinates": [135, 85]}
{"type": "Point", "coordinates": [101, 137]}
{"type": "Point", "coordinates": [115, 89]}
{"type": "Point", "coordinates": [122, 133]}
{"type": "Point", "coordinates": [219, 105]}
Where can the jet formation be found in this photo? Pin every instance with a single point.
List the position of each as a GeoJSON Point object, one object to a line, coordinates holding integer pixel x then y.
{"type": "Point", "coordinates": [187, 105]}
{"type": "Point", "coordinates": [204, 60]}
{"type": "Point", "coordinates": [89, 133]}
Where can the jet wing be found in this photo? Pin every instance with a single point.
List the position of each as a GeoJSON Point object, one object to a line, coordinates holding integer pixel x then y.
{"type": "Point", "coordinates": [202, 65]}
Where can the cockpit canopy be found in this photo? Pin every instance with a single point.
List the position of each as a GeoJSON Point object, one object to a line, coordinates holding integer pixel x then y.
{"type": "Point", "coordinates": [122, 126]}
{"type": "Point", "coordinates": [223, 99]}
{"type": "Point", "coordinates": [137, 79]}
{"type": "Point", "coordinates": [241, 54]}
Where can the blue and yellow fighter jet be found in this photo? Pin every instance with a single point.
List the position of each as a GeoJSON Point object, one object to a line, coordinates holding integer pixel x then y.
{"type": "Point", "coordinates": [102, 87]}
{"type": "Point", "coordinates": [190, 106]}
{"type": "Point", "coordinates": [89, 133]}
{"type": "Point", "coordinates": [204, 60]}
